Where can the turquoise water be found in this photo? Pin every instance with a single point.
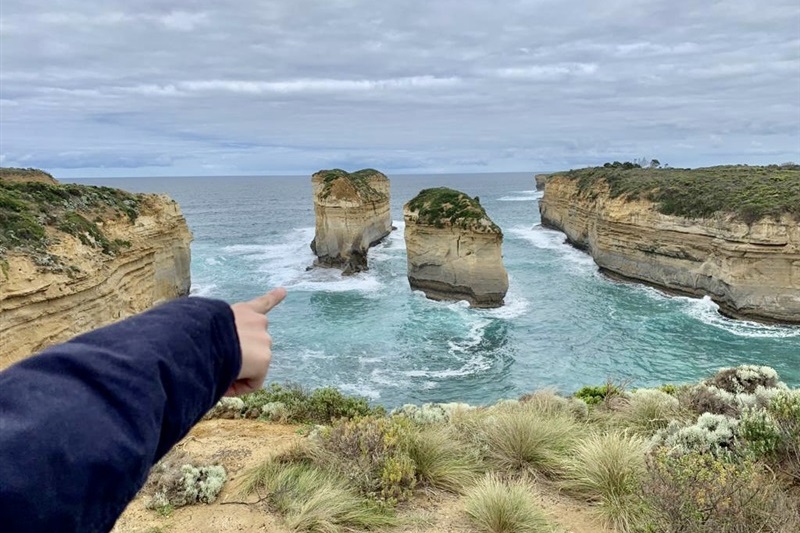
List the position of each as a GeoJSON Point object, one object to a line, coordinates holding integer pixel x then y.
{"type": "Point", "coordinates": [564, 324]}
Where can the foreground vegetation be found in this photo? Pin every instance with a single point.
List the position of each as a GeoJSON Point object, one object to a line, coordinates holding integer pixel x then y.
{"type": "Point", "coordinates": [29, 208]}
{"type": "Point", "coordinates": [722, 455]}
{"type": "Point", "coordinates": [747, 192]}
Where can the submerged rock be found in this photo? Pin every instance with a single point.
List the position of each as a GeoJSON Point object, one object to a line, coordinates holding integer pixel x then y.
{"type": "Point", "coordinates": [352, 214]}
{"type": "Point", "coordinates": [454, 249]}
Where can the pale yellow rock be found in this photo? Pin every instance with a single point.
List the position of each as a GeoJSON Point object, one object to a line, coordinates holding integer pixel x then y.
{"type": "Point", "coordinates": [749, 271]}
{"type": "Point", "coordinates": [38, 308]}
{"type": "Point", "coordinates": [450, 261]}
{"type": "Point", "coordinates": [352, 214]}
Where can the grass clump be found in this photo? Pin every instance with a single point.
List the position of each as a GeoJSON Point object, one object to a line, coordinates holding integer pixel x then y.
{"type": "Point", "coordinates": [649, 410]}
{"type": "Point", "coordinates": [441, 207]}
{"type": "Point", "coordinates": [523, 440]}
{"type": "Point", "coordinates": [312, 499]}
{"type": "Point", "coordinates": [443, 462]}
{"type": "Point", "coordinates": [497, 506]}
{"type": "Point", "coordinates": [597, 394]}
{"type": "Point", "coordinates": [749, 193]}
{"type": "Point", "coordinates": [609, 469]}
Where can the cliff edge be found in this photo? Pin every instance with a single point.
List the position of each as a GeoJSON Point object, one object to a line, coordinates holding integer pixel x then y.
{"type": "Point", "coordinates": [352, 214]}
{"type": "Point", "coordinates": [76, 257]}
{"type": "Point", "coordinates": [732, 233]}
{"type": "Point", "coordinates": [454, 249]}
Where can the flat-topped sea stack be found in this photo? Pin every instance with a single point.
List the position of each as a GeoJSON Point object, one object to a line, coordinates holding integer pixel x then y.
{"type": "Point", "coordinates": [76, 257]}
{"type": "Point", "coordinates": [352, 214]}
{"type": "Point", "coordinates": [732, 232]}
{"type": "Point", "coordinates": [454, 249]}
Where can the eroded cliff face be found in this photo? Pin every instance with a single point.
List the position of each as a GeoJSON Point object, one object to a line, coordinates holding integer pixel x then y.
{"type": "Point", "coordinates": [453, 257]}
{"type": "Point", "coordinates": [540, 180]}
{"type": "Point", "coordinates": [750, 271]}
{"type": "Point", "coordinates": [352, 214]}
{"type": "Point", "coordinates": [44, 304]}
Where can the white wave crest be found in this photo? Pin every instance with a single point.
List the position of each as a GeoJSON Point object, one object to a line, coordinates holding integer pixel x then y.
{"type": "Point", "coordinates": [705, 310]}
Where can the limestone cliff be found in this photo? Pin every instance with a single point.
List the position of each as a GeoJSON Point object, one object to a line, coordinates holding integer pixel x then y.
{"type": "Point", "coordinates": [75, 257]}
{"type": "Point", "coordinates": [747, 262]}
{"type": "Point", "coordinates": [540, 180]}
{"type": "Point", "coordinates": [454, 249]}
{"type": "Point", "coordinates": [352, 214]}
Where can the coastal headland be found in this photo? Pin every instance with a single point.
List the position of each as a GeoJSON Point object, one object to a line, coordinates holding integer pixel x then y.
{"type": "Point", "coordinates": [731, 232]}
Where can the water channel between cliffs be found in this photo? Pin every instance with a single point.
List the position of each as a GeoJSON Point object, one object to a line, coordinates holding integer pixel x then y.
{"type": "Point", "coordinates": [564, 324]}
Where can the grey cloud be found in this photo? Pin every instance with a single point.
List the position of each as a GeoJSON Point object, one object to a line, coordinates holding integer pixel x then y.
{"type": "Point", "coordinates": [280, 86]}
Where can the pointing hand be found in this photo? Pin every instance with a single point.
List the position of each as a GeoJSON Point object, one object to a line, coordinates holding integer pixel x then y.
{"type": "Point", "coordinates": [254, 340]}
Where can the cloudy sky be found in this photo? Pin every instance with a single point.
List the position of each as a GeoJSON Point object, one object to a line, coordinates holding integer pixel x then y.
{"type": "Point", "coordinates": [222, 87]}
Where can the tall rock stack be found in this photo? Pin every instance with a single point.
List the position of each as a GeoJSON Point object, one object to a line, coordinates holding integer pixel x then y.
{"type": "Point", "coordinates": [352, 214]}
{"type": "Point", "coordinates": [454, 249]}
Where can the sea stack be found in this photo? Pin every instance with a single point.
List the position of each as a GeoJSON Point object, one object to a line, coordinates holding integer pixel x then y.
{"type": "Point", "coordinates": [352, 214]}
{"type": "Point", "coordinates": [454, 249]}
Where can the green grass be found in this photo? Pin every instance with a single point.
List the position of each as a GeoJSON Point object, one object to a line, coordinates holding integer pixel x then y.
{"type": "Point", "coordinates": [497, 506]}
{"type": "Point", "coordinates": [28, 208]}
{"type": "Point", "coordinates": [442, 462]}
{"type": "Point", "coordinates": [360, 180]}
{"type": "Point", "coordinates": [311, 499]}
{"type": "Point", "coordinates": [523, 440]}
{"type": "Point", "coordinates": [609, 469]}
{"type": "Point", "coordinates": [749, 193]}
{"type": "Point", "coordinates": [442, 206]}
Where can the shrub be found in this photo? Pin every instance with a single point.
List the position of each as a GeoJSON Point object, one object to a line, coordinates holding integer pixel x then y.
{"type": "Point", "coordinates": [525, 440]}
{"type": "Point", "coordinates": [596, 394]}
{"type": "Point", "coordinates": [745, 379]}
{"type": "Point", "coordinates": [373, 453]}
{"type": "Point", "coordinates": [174, 482]}
{"type": "Point", "coordinates": [430, 413]}
{"type": "Point", "coordinates": [609, 469]}
{"type": "Point", "coordinates": [441, 461]}
{"type": "Point", "coordinates": [291, 403]}
{"type": "Point", "coordinates": [698, 493]}
{"type": "Point", "coordinates": [496, 506]}
{"type": "Point", "coordinates": [313, 499]}
{"type": "Point", "coordinates": [649, 410]}
{"type": "Point", "coordinates": [714, 434]}
{"type": "Point", "coordinates": [774, 433]}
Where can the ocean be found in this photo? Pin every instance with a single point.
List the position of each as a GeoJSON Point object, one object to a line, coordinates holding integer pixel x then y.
{"type": "Point", "coordinates": [564, 324]}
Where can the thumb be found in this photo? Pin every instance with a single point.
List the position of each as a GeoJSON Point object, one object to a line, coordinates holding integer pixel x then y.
{"type": "Point", "coordinates": [265, 302]}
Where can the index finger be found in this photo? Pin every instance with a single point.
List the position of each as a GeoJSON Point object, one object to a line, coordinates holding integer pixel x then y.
{"type": "Point", "coordinates": [264, 303]}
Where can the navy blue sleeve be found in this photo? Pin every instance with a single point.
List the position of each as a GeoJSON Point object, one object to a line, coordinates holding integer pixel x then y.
{"type": "Point", "coordinates": [82, 423]}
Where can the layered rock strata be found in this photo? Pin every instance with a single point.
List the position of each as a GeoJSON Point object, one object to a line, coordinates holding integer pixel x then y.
{"type": "Point", "coordinates": [454, 249]}
{"type": "Point", "coordinates": [751, 271]}
{"type": "Point", "coordinates": [93, 266]}
{"type": "Point", "coordinates": [352, 214]}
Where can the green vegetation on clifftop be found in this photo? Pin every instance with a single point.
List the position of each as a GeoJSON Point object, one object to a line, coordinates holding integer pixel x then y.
{"type": "Point", "coordinates": [360, 180]}
{"type": "Point", "coordinates": [28, 208]}
{"type": "Point", "coordinates": [748, 193]}
{"type": "Point", "coordinates": [442, 206]}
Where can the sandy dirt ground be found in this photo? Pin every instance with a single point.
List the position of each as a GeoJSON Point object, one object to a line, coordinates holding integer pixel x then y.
{"type": "Point", "coordinates": [239, 445]}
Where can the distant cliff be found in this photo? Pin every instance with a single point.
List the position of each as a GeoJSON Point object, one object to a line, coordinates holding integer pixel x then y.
{"type": "Point", "coordinates": [352, 214]}
{"type": "Point", "coordinates": [732, 233]}
{"type": "Point", "coordinates": [75, 257]}
{"type": "Point", "coordinates": [540, 180]}
{"type": "Point", "coordinates": [454, 249]}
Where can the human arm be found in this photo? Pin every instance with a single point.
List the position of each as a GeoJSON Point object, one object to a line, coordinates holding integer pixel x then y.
{"type": "Point", "coordinates": [82, 423]}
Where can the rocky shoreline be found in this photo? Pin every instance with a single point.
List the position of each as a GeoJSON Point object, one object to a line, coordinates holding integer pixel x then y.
{"type": "Point", "coordinates": [750, 269]}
